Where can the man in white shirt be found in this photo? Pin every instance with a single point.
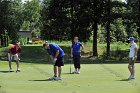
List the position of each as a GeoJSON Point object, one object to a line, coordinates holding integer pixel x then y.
{"type": "Point", "coordinates": [132, 57]}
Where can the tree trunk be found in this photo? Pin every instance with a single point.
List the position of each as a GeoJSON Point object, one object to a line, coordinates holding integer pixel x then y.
{"type": "Point", "coordinates": [95, 28]}
{"type": "Point", "coordinates": [138, 23]}
{"type": "Point", "coordinates": [95, 53]}
{"type": "Point", "coordinates": [108, 30]}
{"type": "Point", "coordinates": [0, 40]}
{"type": "Point", "coordinates": [72, 21]}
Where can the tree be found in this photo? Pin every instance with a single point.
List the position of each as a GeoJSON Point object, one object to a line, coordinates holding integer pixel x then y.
{"type": "Point", "coordinates": [77, 18]}
{"type": "Point", "coordinates": [10, 19]}
{"type": "Point", "coordinates": [135, 12]}
{"type": "Point", "coordinates": [73, 16]}
{"type": "Point", "coordinates": [108, 29]}
{"type": "Point", "coordinates": [101, 15]}
{"type": "Point", "coordinates": [56, 20]}
{"type": "Point", "coordinates": [32, 17]}
{"type": "Point", "coordinates": [118, 29]}
{"type": "Point", "coordinates": [95, 27]}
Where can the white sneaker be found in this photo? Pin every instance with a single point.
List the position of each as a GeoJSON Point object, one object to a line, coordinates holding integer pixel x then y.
{"type": "Point", "coordinates": [78, 72]}
{"type": "Point", "coordinates": [57, 78]}
{"type": "Point", "coordinates": [52, 78]}
{"type": "Point", "coordinates": [18, 70]}
{"type": "Point", "coordinates": [10, 70]}
{"type": "Point", "coordinates": [131, 77]}
{"type": "Point", "coordinates": [74, 72]}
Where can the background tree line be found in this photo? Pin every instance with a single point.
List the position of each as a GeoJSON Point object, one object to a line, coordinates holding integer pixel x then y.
{"type": "Point", "coordinates": [103, 20]}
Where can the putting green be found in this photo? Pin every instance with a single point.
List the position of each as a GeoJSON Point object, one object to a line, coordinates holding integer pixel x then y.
{"type": "Point", "coordinates": [94, 78]}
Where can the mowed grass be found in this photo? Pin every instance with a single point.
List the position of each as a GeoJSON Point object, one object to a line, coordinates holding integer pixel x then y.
{"type": "Point", "coordinates": [94, 78]}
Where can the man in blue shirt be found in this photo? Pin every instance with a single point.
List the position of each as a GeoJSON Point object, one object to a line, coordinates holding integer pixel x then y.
{"type": "Point", "coordinates": [57, 56]}
{"type": "Point", "coordinates": [76, 54]}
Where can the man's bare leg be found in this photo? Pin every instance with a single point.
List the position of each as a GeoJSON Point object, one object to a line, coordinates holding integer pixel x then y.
{"type": "Point", "coordinates": [59, 71]}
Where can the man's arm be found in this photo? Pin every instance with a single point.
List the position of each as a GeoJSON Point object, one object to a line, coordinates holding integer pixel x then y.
{"type": "Point", "coordinates": [10, 52]}
{"type": "Point", "coordinates": [19, 51]}
{"type": "Point", "coordinates": [19, 55]}
{"type": "Point", "coordinates": [82, 47]}
{"type": "Point", "coordinates": [51, 57]}
{"type": "Point", "coordinates": [71, 51]}
{"type": "Point", "coordinates": [56, 54]}
{"type": "Point", "coordinates": [136, 51]}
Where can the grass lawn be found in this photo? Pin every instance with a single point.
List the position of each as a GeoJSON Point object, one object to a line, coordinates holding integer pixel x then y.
{"type": "Point", "coordinates": [94, 78]}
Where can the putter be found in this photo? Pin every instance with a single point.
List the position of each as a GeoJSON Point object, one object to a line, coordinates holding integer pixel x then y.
{"type": "Point", "coordinates": [70, 66]}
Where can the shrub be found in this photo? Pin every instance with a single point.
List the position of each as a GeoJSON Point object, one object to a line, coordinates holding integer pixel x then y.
{"type": "Point", "coordinates": [38, 42]}
{"type": "Point", "coordinates": [117, 54]}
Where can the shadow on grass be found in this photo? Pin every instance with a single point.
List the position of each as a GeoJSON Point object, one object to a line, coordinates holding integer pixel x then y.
{"type": "Point", "coordinates": [6, 71]}
{"type": "Point", "coordinates": [123, 80]}
{"type": "Point", "coordinates": [42, 80]}
{"type": "Point", "coordinates": [68, 73]}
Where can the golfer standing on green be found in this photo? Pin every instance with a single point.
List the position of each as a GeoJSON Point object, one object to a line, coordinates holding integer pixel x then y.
{"type": "Point", "coordinates": [132, 57]}
{"type": "Point", "coordinates": [57, 56]}
{"type": "Point", "coordinates": [76, 54]}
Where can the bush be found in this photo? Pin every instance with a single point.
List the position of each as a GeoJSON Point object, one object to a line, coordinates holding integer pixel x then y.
{"type": "Point", "coordinates": [117, 54]}
{"type": "Point", "coordinates": [38, 42]}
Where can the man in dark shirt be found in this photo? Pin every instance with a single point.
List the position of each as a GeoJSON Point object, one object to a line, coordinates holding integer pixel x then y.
{"type": "Point", "coordinates": [14, 51]}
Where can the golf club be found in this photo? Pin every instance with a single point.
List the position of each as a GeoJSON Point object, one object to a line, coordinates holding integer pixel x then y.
{"type": "Point", "coordinates": [70, 66]}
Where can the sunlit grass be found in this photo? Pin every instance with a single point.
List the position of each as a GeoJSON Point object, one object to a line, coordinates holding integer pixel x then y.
{"type": "Point", "coordinates": [94, 78]}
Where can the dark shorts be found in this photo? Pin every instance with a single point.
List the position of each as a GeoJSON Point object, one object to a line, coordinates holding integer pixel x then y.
{"type": "Point", "coordinates": [77, 61]}
{"type": "Point", "coordinates": [59, 62]}
{"type": "Point", "coordinates": [131, 62]}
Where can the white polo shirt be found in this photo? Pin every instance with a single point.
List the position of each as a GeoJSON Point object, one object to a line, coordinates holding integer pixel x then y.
{"type": "Point", "coordinates": [132, 51]}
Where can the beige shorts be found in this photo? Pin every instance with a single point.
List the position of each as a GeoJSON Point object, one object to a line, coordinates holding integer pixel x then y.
{"type": "Point", "coordinates": [15, 56]}
{"type": "Point", "coordinates": [131, 62]}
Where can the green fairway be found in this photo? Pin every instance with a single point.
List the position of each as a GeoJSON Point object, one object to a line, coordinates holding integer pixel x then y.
{"type": "Point", "coordinates": [94, 78]}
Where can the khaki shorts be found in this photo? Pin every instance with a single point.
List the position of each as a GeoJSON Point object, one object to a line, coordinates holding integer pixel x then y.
{"type": "Point", "coordinates": [15, 56]}
{"type": "Point", "coordinates": [131, 62]}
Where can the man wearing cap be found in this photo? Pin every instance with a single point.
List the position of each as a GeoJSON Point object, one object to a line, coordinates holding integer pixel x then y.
{"type": "Point", "coordinates": [57, 56]}
{"type": "Point", "coordinates": [14, 51]}
{"type": "Point", "coordinates": [132, 57]}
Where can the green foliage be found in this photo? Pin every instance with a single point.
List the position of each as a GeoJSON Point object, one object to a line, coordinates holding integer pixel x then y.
{"type": "Point", "coordinates": [3, 53]}
{"type": "Point", "coordinates": [101, 34]}
{"type": "Point", "coordinates": [131, 29]}
{"type": "Point", "coordinates": [32, 17]}
{"type": "Point", "coordinates": [119, 51]}
{"type": "Point", "coordinates": [56, 21]}
{"type": "Point", "coordinates": [11, 17]}
{"type": "Point", "coordinates": [67, 18]}
{"type": "Point", "coordinates": [118, 30]}
{"type": "Point", "coordinates": [64, 19]}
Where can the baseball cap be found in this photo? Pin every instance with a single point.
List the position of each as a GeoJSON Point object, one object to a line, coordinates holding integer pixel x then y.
{"type": "Point", "coordinates": [46, 43]}
{"type": "Point", "coordinates": [17, 43]}
{"type": "Point", "coordinates": [131, 39]}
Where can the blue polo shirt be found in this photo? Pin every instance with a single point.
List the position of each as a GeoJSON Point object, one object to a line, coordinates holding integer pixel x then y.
{"type": "Point", "coordinates": [76, 48]}
{"type": "Point", "coordinates": [53, 48]}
